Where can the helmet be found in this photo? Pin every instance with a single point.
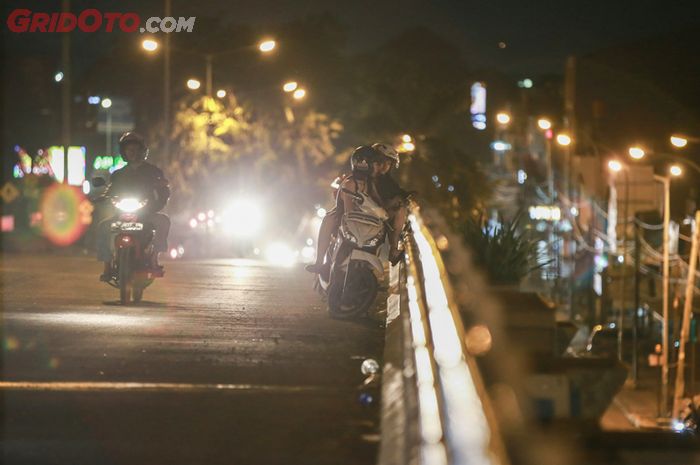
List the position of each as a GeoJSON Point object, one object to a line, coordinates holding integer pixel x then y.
{"type": "Point", "coordinates": [133, 138]}
{"type": "Point", "coordinates": [361, 160]}
{"type": "Point", "coordinates": [387, 151]}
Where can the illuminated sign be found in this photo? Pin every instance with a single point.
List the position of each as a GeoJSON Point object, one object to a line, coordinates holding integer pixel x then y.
{"type": "Point", "coordinates": [109, 162]}
{"type": "Point", "coordinates": [76, 164]}
{"type": "Point", "coordinates": [478, 106]}
{"type": "Point", "coordinates": [544, 212]}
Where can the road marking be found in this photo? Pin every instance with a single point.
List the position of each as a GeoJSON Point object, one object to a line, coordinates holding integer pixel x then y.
{"type": "Point", "coordinates": [177, 387]}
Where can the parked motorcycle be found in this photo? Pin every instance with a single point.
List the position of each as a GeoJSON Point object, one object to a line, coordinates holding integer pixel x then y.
{"type": "Point", "coordinates": [131, 268]}
{"type": "Point", "coordinates": [352, 272]}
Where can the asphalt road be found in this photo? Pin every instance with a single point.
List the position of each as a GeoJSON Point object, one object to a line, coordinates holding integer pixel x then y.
{"type": "Point", "coordinates": [225, 362]}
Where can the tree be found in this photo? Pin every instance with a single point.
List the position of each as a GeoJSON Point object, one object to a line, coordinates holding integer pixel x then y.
{"type": "Point", "coordinates": [220, 142]}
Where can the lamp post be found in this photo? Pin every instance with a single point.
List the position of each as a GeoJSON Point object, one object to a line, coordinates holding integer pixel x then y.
{"type": "Point", "coordinates": [107, 105]}
{"type": "Point", "coordinates": [151, 45]}
{"type": "Point", "coordinates": [616, 167]}
{"type": "Point", "coordinates": [674, 171]}
{"type": "Point", "coordinates": [666, 182]}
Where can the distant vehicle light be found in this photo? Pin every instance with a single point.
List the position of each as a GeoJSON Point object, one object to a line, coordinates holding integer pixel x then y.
{"type": "Point", "coordinates": [280, 254]}
{"type": "Point", "coordinates": [243, 219]}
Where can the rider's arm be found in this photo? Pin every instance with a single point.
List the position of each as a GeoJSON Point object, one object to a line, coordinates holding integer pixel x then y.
{"type": "Point", "coordinates": [161, 191]}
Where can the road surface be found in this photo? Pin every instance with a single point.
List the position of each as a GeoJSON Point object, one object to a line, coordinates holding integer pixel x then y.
{"type": "Point", "coordinates": [230, 362]}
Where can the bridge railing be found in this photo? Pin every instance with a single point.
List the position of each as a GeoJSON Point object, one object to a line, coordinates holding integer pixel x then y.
{"type": "Point", "coordinates": [435, 405]}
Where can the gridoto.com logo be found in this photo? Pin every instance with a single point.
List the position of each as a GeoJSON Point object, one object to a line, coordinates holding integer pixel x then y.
{"type": "Point", "coordinates": [92, 20]}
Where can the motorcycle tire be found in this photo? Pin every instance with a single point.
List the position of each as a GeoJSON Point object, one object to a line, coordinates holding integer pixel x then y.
{"type": "Point", "coordinates": [351, 294]}
{"type": "Point", "coordinates": [125, 273]}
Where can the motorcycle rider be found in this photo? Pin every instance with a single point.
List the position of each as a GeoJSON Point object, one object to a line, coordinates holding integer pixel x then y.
{"type": "Point", "coordinates": [365, 165]}
{"type": "Point", "coordinates": [391, 196]}
{"type": "Point", "coordinates": [138, 177]}
{"type": "Point", "coordinates": [395, 199]}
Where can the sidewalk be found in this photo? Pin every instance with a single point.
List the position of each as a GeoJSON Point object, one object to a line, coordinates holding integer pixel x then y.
{"type": "Point", "coordinates": [635, 408]}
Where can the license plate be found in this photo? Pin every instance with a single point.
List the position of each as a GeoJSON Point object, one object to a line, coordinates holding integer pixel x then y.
{"type": "Point", "coordinates": [128, 226]}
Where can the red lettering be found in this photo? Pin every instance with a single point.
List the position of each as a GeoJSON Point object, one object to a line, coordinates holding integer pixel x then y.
{"type": "Point", "coordinates": [54, 21]}
{"type": "Point", "coordinates": [40, 22]}
{"type": "Point", "coordinates": [18, 21]}
{"type": "Point", "coordinates": [127, 18]}
{"type": "Point", "coordinates": [111, 18]}
{"type": "Point", "coordinates": [66, 22]}
{"type": "Point", "coordinates": [83, 20]}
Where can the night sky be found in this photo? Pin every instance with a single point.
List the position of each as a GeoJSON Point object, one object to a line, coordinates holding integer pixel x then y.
{"type": "Point", "coordinates": [538, 35]}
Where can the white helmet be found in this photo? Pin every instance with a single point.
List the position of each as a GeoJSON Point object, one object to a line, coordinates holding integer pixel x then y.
{"type": "Point", "coordinates": [387, 151]}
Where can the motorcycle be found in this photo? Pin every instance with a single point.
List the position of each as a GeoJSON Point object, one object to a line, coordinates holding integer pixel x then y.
{"type": "Point", "coordinates": [350, 280]}
{"type": "Point", "coordinates": [131, 269]}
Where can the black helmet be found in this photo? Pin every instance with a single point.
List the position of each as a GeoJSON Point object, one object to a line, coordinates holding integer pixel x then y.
{"type": "Point", "coordinates": [361, 160]}
{"type": "Point", "coordinates": [133, 138]}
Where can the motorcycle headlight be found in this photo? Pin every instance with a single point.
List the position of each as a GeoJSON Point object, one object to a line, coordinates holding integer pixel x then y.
{"type": "Point", "coordinates": [129, 205]}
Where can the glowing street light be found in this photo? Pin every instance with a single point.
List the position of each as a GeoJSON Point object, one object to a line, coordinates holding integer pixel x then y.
{"type": "Point", "coordinates": [106, 103]}
{"type": "Point", "coordinates": [221, 93]}
{"type": "Point", "coordinates": [193, 84]}
{"type": "Point", "coordinates": [544, 124]}
{"type": "Point", "coordinates": [406, 138]}
{"type": "Point", "coordinates": [267, 46]}
{"type": "Point", "coordinates": [299, 94]}
{"type": "Point", "coordinates": [636, 152]}
{"type": "Point", "coordinates": [407, 147]}
{"type": "Point", "coordinates": [675, 170]}
{"type": "Point", "coordinates": [615, 166]}
{"type": "Point", "coordinates": [503, 118]}
{"type": "Point", "coordinates": [678, 141]}
{"type": "Point", "coordinates": [58, 77]}
{"type": "Point", "coordinates": [290, 86]}
{"type": "Point", "coordinates": [563, 139]}
{"type": "Point", "coordinates": [149, 45]}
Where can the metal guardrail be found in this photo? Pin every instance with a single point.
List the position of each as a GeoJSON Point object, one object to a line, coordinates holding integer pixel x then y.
{"type": "Point", "coordinates": [435, 407]}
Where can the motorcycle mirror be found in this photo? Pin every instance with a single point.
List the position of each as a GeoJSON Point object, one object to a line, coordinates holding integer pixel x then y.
{"type": "Point", "coordinates": [98, 182]}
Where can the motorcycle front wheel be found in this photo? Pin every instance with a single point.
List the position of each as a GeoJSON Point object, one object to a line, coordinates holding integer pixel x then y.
{"type": "Point", "coordinates": [125, 272]}
{"type": "Point", "coordinates": [351, 293]}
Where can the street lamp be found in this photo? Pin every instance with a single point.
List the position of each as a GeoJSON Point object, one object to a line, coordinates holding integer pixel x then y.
{"type": "Point", "coordinates": [675, 170]}
{"type": "Point", "coordinates": [679, 141]}
{"type": "Point", "coordinates": [221, 93]}
{"type": "Point", "coordinates": [149, 45]}
{"type": "Point", "coordinates": [407, 147]}
{"type": "Point", "coordinates": [563, 139]}
{"type": "Point", "coordinates": [290, 86]}
{"type": "Point", "coordinates": [193, 84]}
{"type": "Point", "coordinates": [406, 138]}
{"type": "Point", "coordinates": [106, 103]}
{"type": "Point", "coordinates": [299, 94]}
{"type": "Point", "coordinates": [267, 46]}
{"type": "Point", "coordinates": [615, 166]}
{"type": "Point", "coordinates": [503, 118]}
{"type": "Point", "coordinates": [636, 152]}
{"type": "Point", "coordinates": [544, 124]}
{"type": "Point", "coordinates": [58, 77]}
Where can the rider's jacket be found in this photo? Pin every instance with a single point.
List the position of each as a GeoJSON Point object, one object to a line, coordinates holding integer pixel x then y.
{"type": "Point", "coordinates": [145, 180]}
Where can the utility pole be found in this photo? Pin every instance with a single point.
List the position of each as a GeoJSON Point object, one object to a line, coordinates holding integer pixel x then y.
{"type": "Point", "coordinates": [685, 328]}
{"type": "Point", "coordinates": [666, 282]}
{"type": "Point", "coordinates": [65, 93]}
{"type": "Point", "coordinates": [208, 58]}
{"type": "Point", "coordinates": [166, 85]}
